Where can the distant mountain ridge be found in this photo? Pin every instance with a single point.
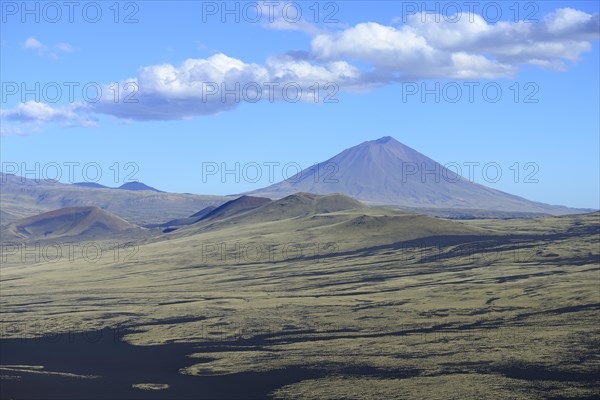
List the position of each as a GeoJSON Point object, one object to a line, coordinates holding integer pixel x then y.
{"type": "Point", "coordinates": [126, 186]}
{"type": "Point", "coordinates": [386, 172]}
{"type": "Point", "coordinates": [91, 185]}
{"type": "Point", "coordinates": [381, 172]}
{"type": "Point", "coordinates": [138, 186]}
{"type": "Point", "coordinates": [22, 197]}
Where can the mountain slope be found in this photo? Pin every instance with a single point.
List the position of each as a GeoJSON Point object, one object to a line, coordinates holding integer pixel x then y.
{"type": "Point", "coordinates": [192, 219]}
{"type": "Point", "coordinates": [69, 221]}
{"type": "Point", "coordinates": [301, 205]}
{"type": "Point", "coordinates": [203, 212]}
{"type": "Point", "coordinates": [386, 172]}
{"type": "Point", "coordinates": [6, 217]}
{"type": "Point", "coordinates": [234, 207]}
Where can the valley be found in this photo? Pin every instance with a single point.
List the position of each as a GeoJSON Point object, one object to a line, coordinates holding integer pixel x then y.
{"type": "Point", "coordinates": [298, 296]}
{"type": "Point", "coordinates": [509, 304]}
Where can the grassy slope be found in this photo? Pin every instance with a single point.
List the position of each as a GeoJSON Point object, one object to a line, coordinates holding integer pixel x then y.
{"type": "Point", "coordinates": [465, 316]}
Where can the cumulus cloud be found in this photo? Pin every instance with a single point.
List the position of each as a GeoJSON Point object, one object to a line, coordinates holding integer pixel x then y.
{"type": "Point", "coordinates": [409, 54]}
{"type": "Point", "coordinates": [575, 23]}
{"type": "Point", "coordinates": [355, 58]}
{"type": "Point", "coordinates": [463, 46]}
{"type": "Point", "coordinates": [205, 86]}
{"type": "Point", "coordinates": [220, 83]}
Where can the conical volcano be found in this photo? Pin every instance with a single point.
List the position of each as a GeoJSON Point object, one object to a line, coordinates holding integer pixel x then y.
{"type": "Point", "coordinates": [387, 172]}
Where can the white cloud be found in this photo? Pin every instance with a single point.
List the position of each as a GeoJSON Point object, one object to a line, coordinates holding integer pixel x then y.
{"type": "Point", "coordinates": [33, 43]}
{"type": "Point", "coordinates": [429, 46]}
{"type": "Point", "coordinates": [44, 51]}
{"type": "Point", "coordinates": [567, 20]}
{"type": "Point", "coordinates": [301, 26]}
{"type": "Point", "coordinates": [209, 86]}
{"type": "Point", "coordinates": [469, 66]}
{"type": "Point", "coordinates": [383, 45]}
{"type": "Point", "coordinates": [289, 69]}
{"type": "Point", "coordinates": [199, 87]}
{"type": "Point", "coordinates": [355, 58]}
{"type": "Point", "coordinates": [32, 112]}
{"type": "Point", "coordinates": [443, 34]}
{"type": "Point", "coordinates": [285, 16]}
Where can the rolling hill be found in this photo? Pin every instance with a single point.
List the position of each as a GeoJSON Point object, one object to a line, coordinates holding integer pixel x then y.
{"type": "Point", "coordinates": [301, 205]}
{"type": "Point", "coordinates": [339, 219]}
{"type": "Point", "coordinates": [69, 222]}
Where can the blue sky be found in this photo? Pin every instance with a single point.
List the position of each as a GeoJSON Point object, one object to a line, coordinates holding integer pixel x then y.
{"type": "Point", "coordinates": [374, 55]}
